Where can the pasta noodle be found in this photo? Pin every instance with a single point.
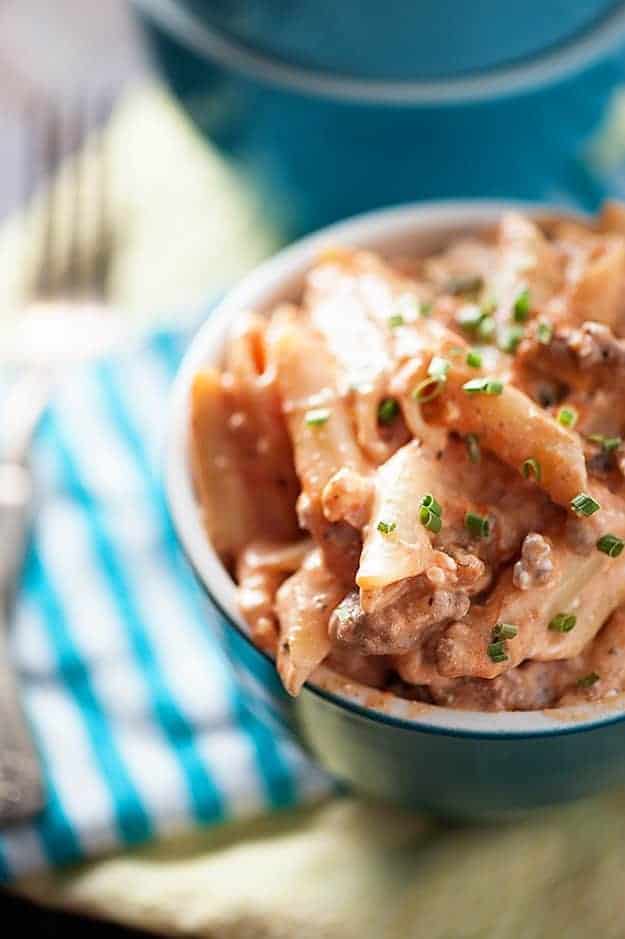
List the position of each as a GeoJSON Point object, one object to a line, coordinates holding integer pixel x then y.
{"type": "Point", "coordinates": [417, 473]}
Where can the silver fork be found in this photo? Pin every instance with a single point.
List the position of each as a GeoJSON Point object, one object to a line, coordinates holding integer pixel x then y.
{"type": "Point", "coordinates": [66, 322]}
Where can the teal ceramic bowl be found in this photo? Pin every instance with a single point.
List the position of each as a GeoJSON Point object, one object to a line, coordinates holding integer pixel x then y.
{"type": "Point", "coordinates": [459, 764]}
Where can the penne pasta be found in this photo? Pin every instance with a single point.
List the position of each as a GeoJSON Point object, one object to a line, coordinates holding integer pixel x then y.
{"type": "Point", "coordinates": [418, 473]}
{"type": "Point", "coordinates": [598, 292]}
{"type": "Point", "coordinates": [318, 419]}
{"type": "Point", "coordinates": [517, 429]}
{"type": "Point", "coordinates": [261, 568]}
{"type": "Point", "coordinates": [303, 606]}
{"type": "Point", "coordinates": [338, 301]}
{"type": "Point", "coordinates": [396, 545]}
{"type": "Point", "coordinates": [228, 507]}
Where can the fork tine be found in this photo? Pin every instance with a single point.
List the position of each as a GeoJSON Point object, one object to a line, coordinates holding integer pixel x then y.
{"type": "Point", "coordinates": [102, 228]}
{"type": "Point", "coordinates": [75, 226]}
{"type": "Point", "coordinates": [76, 274]}
{"type": "Point", "coordinates": [45, 277]}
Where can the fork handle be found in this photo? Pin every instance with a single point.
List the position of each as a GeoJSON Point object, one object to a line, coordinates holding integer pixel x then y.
{"type": "Point", "coordinates": [15, 509]}
{"type": "Point", "coordinates": [21, 790]}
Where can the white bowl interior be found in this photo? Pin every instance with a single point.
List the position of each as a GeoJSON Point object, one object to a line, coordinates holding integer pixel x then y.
{"type": "Point", "coordinates": [413, 229]}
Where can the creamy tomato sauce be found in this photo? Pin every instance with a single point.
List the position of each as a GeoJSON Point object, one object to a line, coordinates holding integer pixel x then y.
{"type": "Point", "coordinates": [416, 473]}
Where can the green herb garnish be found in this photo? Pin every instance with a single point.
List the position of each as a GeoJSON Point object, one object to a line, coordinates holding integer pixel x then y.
{"type": "Point", "coordinates": [611, 545]}
{"type": "Point", "coordinates": [439, 367]}
{"type": "Point", "coordinates": [521, 309]}
{"type": "Point", "coordinates": [567, 416]}
{"type": "Point", "coordinates": [465, 283]}
{"type": "Point", "coordinates": [388, 409]}
{"type": "Point", "coordinates": [474, 359]}
{"type": "Point", "coordinates": [497, 651]}
{"type": "Point", "coordinates": [430, 513]}
{"type": "Point", "coordinates": [396, 320]}
{"type": "Point", "coordinates": [430, 520]}
{"type": "Point", "coordinates": [504, 631]}
{"type": "Point", "coordinates": [583, 504]}
{"type": "Point", "coordinates": [510, 339]}
{"type": "Point", "coordinates": [473, 447]}
{"type": "Point", "coordinates": [386, 527]}
{"type": "Point", "coordinates": [497, 647]}
{"type": "Point", "coordinates": [544, 332]}
{"type": "Point", "coordinates": [478, 525]}
{"type": "Point", "coordinates": [317, 416]}
{"type": "Point", "coordinates": [563, 622]}
{"type": "Point", "coordinates": [483, 386]}
{"type": "Point", "coordinates": [587, 680]}
{"type": "Point", "coordinates": [469, 317]}
{"type": "Point", "coordinates": [607, 444]}
{"type": "Point", "coordinates": [486, 328]}
{"type": "Point", "coordinates": [531, 468]}
{"type": "Point", "coordinates": [429, 502]}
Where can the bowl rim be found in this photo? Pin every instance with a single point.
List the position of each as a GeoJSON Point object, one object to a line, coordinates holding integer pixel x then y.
{"type": "Point", "coordinates": [547, 66]}
{"type": "Point", "coordinates": [259, 289]}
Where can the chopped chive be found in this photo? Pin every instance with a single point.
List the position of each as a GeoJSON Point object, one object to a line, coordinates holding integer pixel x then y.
{"type": "Point", "coordinates": [504, 631]}
{"type": "Point", "coordinates": [474, 359]}
{"type": "Point", "coordinates": [497, 651]}
{"type": "Point", "coordinates": [317, 416]}
{"type": "Point", "coordinates": [429, 502]}
{"type": "Point", "coordinates": [587, 680]}
{"type": "Point", "coordinates": [488, 307]}
{"type": "Point", "coordinates": [567, 416]}
{"type": "Point", "coordinates": [544, 333]}
{"type": "Point", "coordinates": [510, 339]}
{"type": "Point", "coordinates": [583, 504]}
{"type": "Point", "coordinates": [607, 444]}
{"type": "Point", "coordinates": [497, 646]}
{"type": "Point", "coordinates": [563, 622]}
{"type": "Point", "coordinates": [386, 527]}
{"type": "Point", "coordinates": [428, 389]}
{"type": "Point", "coordinates": [484, 386]}
{"type": "Point", "coordinates": [469, 317]}
{"type": "Point", "coordinates": [486, 327]}
{"type": "Point", "coordinates": [473, 447]}
{"type": "Point", "coordinates": [478, 525]}
{"type": "Point", "coordinates": [521, 308]}
{"type": "Point", "coordinates": [439, 367]}
{"type": "Point", "coordinates": [425, 309]}
{"type": "Point", "coordinates": [465, 283]}
{"type": "Point", "coordinates": [477, 319]}
{"type": "Point", "coordinates": [611, 443]}
{"type": "Point", "coordinates": [388, 409]}
{"type": "Point", "coordinates": [396, 320]}
{"type": "Point", "coordinates": [611, 545]}
{"type": "Point", "coordinates": [531, 468]}
{"type": "Point", "coordinates": [430, 519]}
{"type": "Point", "coordinates": [430, 513]}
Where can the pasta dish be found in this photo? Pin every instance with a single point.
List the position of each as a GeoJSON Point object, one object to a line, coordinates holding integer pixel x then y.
{"type": "Point", "coordinates": [416, 473]}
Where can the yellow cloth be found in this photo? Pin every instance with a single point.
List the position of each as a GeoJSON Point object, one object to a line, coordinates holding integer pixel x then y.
{"type": "Point", "coordinates": [354, 871]}
{"type": "Point", "coordinates": [185, 227]}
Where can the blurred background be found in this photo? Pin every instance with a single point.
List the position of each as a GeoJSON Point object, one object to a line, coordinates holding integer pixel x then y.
{"type": "Point", "coordinates": [48, 52]}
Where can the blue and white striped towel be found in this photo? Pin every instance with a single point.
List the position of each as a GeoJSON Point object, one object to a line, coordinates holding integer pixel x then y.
{"type": "Point", "coordinates": [141, 726]}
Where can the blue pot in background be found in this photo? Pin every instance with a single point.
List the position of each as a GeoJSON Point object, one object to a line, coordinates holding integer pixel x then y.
{"type": "Point", "coordinates": [333, 108]}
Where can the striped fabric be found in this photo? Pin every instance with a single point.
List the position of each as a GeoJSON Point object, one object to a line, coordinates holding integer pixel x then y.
{"type": "Point", "coordinates": [141, 725]}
